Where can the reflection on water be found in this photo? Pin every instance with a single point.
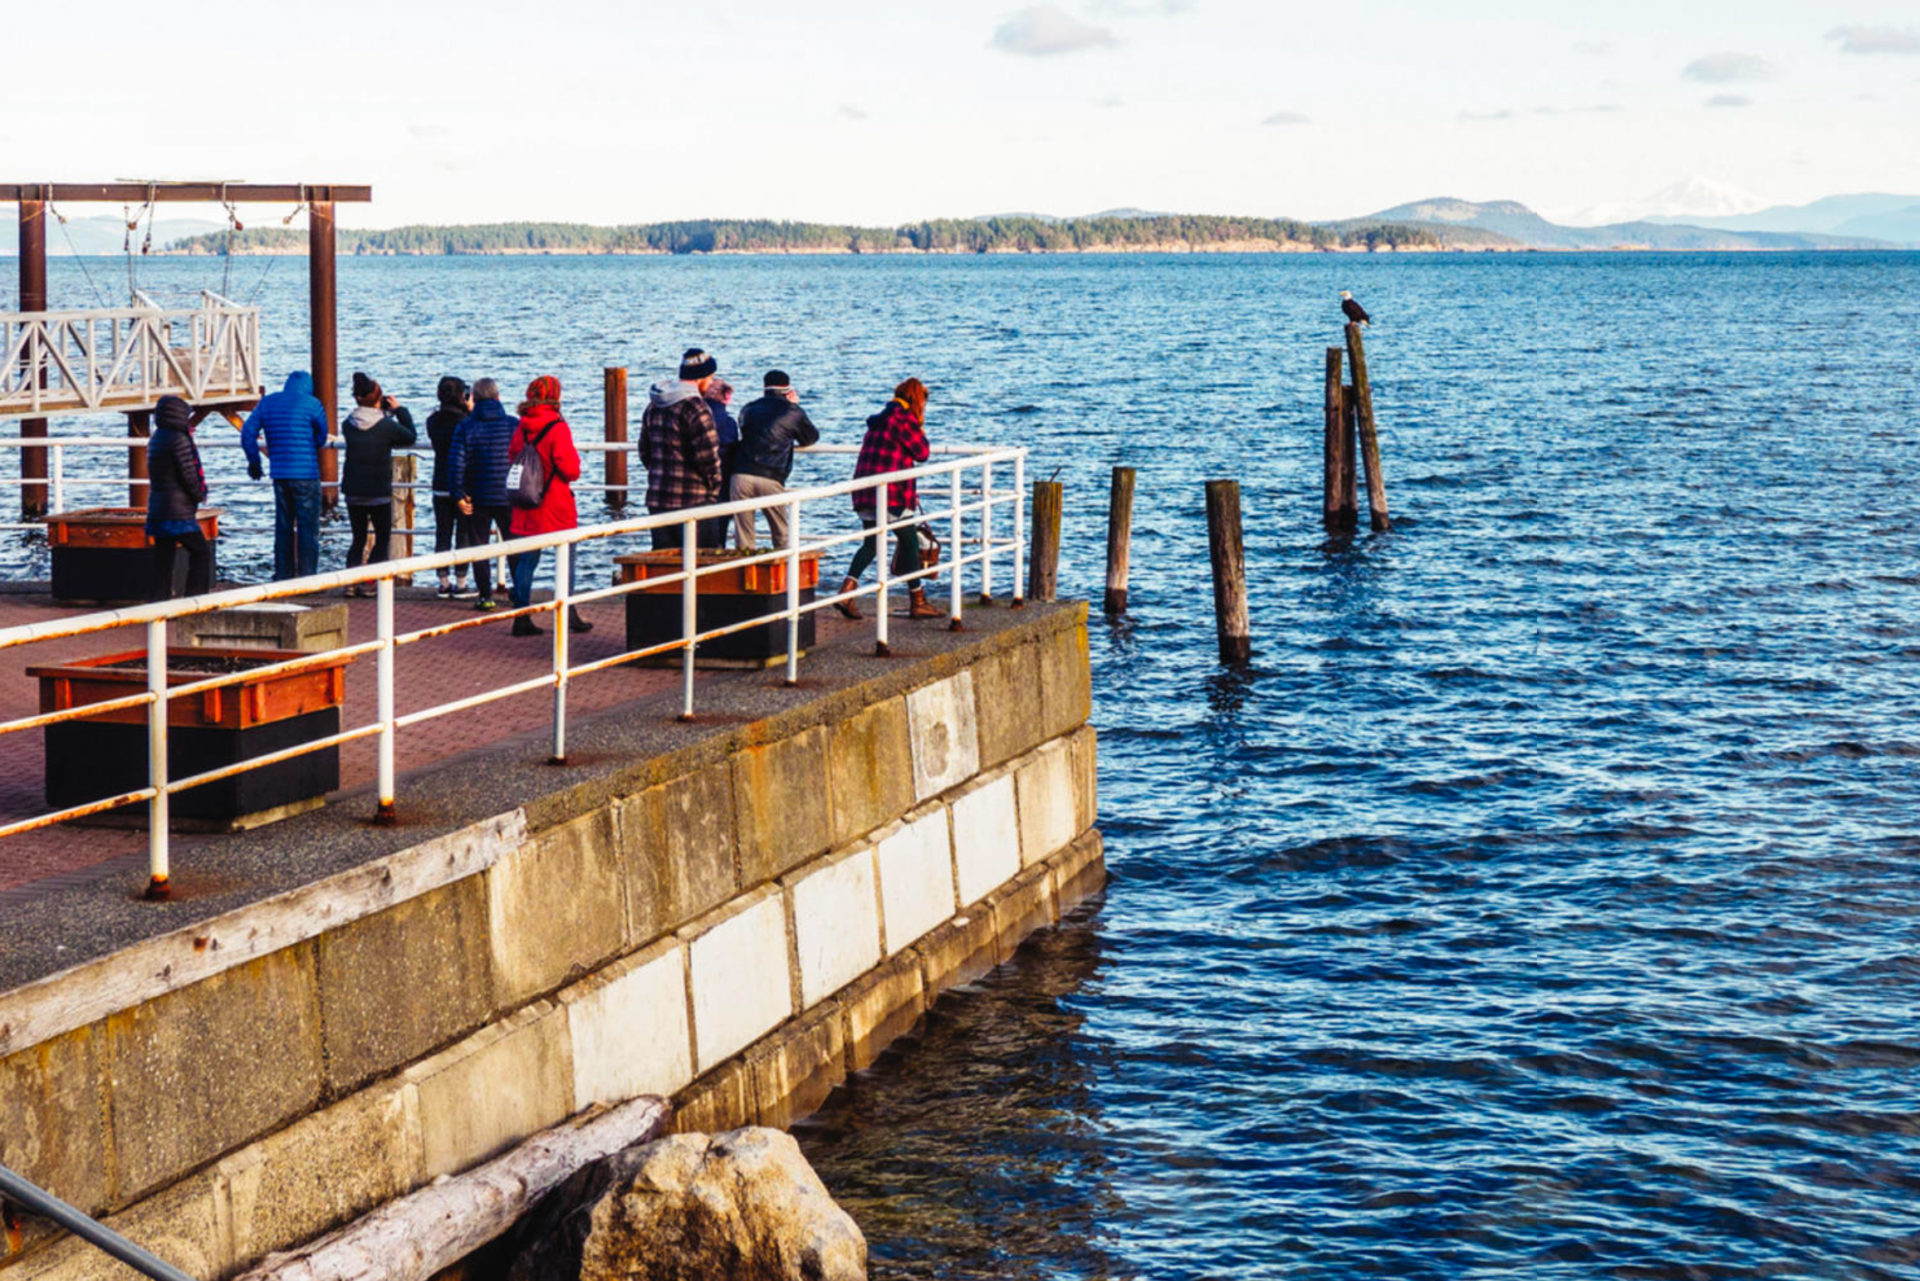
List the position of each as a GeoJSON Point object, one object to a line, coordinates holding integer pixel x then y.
{"type": "Point", "coordinates": [974, 1147]}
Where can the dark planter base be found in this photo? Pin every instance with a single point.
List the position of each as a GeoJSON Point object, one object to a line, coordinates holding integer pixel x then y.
{"type": "Point", "coordinates": [653, 618]}
{"type": "Point", "coordinates": [115, 574]}
{"type": "Point", "coordinates": [88, 760]}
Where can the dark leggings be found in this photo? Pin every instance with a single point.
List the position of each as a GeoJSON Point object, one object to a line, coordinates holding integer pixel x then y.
{"type": "Point", "coordinates": [380, 517]}
{"type": "Point", "coordinates": [903, 537]}
{"type": "Point", "coordinates": [449, 526]}
{"type": "Point", "coordinates": [199, 564]}
{"type": "Point", "coordinates": [483, 520]}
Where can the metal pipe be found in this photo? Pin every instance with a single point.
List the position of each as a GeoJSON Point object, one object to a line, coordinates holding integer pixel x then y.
{"type": "Point", "coordinates": [387, 661]}
{"type": "Point", "coordinates": [38, 1201]}
{"type": "Point", "coordinates": [33, 298]}
{"type": "Point", "coordinates": [986, 533]}
{"type": "Point", "coordinates": [562, 575]}
{"type": "Point", "coordinates": [159, 814]}
{"type": "Point", "coordinates": [793, 592]}
{"type": "Point", "coordinates": [882, 524]}
{"type": "Point", "coordinates": [689, 612]}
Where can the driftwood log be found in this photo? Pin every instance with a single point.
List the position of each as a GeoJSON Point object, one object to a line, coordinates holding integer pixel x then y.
{"type": "Point", "coordinates": [416, 1236]}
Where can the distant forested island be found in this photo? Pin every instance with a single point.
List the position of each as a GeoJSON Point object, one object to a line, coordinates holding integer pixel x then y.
{"type": "Point", "coordinates": [1169, 233]}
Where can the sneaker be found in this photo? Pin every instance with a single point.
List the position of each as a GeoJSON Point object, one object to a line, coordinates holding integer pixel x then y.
{"type": "Point", "coordinates": [486, 604]}
{"type": "Point", "coordinates": [444, 591]}
{"type": "Point", "coordinates": [464, 590]}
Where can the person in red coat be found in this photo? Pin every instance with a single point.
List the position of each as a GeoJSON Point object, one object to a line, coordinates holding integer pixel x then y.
{"type": "Point", "coordinates": [542, 427]}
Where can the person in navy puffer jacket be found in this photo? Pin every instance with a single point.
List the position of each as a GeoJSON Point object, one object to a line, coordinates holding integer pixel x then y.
{"type": "Point", "coordinates": [295, 424]}
{"type": "Point", "coordinates": [477, 463]}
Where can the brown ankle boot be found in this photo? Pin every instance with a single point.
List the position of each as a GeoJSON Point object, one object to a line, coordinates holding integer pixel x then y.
{"type": "Point", "coordinates": [917, 606]}
{"type": "Point", "coordinates": [851, 608]}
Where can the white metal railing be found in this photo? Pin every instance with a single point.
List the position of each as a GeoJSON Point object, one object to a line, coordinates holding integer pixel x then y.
{"type": "Point", "coordinates": [969, 519]}
{"type": "Point", "coordinates": [80, 361]}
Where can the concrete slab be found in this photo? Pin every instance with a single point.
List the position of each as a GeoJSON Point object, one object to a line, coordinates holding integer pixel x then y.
{"type": "Point", "coordinates": [836, 922]}
{"type": "Point", "coordinates": [869, 769]}
{"type": "Point", "coordinates": [503, 1083]}
{"type": "Point", "coordinates": [629, 1028]}
{"type": "Point", "coordinates": [986, 837]}
{"type": "Point", "coordinates": [946, 746]}
{"type": "Point", "coordinates": [880, 1007]}
{"type": "Point", "coordinates": [556, 908]}
{"type": "Point", "coordinates": [1048, 810]}
{"type": "Point", "coordinates": [740, 982]}
{"type": "Point", "coordinates": [678, 851]}
{"type": "Point", "coordinates": [795, 1070]}
{"type": "Point", "coordinates": [915, 863]}
{"type": "Point", "coordinates": [781, 810]}
{"type": "Point", "coordinates": [1010, 710]}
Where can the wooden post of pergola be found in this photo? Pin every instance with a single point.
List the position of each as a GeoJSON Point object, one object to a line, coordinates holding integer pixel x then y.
{"type": "Point", "coordinates": [33, 199]}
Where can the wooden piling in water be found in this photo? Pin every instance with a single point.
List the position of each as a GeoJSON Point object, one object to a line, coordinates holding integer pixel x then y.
{"type": "Point", "coordinates": [1119, 539]}
{"type": "Point", "coordinates": [1228, 553]}
{"type": "Point", "coordinates": [615, 392]}
{"type": "Point", "coordinates": [1369, 436]}
{"type": "Point", "coordinates": [139, 427]}
{"type": "Point", "coordinates": [1043, 561]}
{"type": "Point", "coordinates": [1339, 509]}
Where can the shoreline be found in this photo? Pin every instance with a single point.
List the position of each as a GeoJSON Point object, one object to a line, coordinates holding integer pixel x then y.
{"type": "Point", "coordinates": [1245, 248]}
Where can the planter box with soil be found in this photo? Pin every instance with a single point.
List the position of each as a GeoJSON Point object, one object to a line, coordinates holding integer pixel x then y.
{"type": "Point", "coordinates": [733, 595]}
{"type": "Point", "coordinates": [103, 554]}
{"type": "Point", "coordinates": [106, 754]}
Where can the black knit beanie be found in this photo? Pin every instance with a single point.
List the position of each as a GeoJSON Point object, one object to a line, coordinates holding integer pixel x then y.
{"type": "Point", "coordinates": [697, 364]}
{"type": "Point", "coordinates": [776, 378]}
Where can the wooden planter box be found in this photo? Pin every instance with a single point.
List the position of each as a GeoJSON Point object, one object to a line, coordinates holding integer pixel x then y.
{"type": "Point", "coordinates": [103, 554]}
{"type": "Point", "coordinates": [106, 754]}
{"type": "Point", "coordinates": [731, 596]}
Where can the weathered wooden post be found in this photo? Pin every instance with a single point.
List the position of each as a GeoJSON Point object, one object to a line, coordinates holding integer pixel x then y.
{"type": "Point", "coordinates": [1043, 569]}
{"type": "Point", "coordinates": [33, 297]}
{"type": "Point", "coordinates": [616, 422]}
{"type": "Point", "coordinates": [322, 316]}
{"type": "Point", "coordinates": [1119, 539]}
{"type": "Point", "coordinates": [1337, 485]}
{"type": "Point", "coordinates": [400, 546]}
{"type": "Point", "coordinates": [1350, 460]}
{"type": "Point", "coordinates": [1229, 556]}
{"type": "Point", "coordinates": [1369, 437]}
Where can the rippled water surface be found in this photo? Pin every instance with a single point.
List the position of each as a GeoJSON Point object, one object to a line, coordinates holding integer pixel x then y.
{"type": "Point", "coordinates": [1540, 901]}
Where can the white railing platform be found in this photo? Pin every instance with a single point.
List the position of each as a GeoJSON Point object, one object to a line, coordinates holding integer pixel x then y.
{"type": "Point", "coordinates": [54, 362]}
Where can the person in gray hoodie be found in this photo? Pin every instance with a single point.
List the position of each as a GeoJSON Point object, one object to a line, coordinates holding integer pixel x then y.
{"type": "Point", "coordinates": [377, 426]}
{"type": "Point", "coordinates": [681, 449]}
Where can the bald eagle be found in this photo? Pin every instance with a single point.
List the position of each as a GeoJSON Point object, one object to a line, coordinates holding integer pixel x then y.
{"type": "Point", "coordinates": [1353, 310]}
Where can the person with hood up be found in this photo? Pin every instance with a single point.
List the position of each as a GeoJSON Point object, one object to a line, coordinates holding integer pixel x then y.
{"type": "Point", "coordinates": [449, 530]}
{"type": "Point", "coordinates": [896, 440]}
{"type": "Point", "coordinates": [294, 423]}
{"type": "Point", "coordinates": [769, 429]}
{"type": "Point", "coordinates": [680, 447]}
{"type": "Point", "coordinates": [477, 463]}
{"type": "Point", "coordinates": [176, 486]}
{"type": "Point", "coordinates": [377, 426]}
{"type": "Point", "coordinates": [543, 430]}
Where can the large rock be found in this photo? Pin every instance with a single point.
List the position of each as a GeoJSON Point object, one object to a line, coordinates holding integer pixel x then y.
{"type": "Point", "coordinates": [741, 1206]}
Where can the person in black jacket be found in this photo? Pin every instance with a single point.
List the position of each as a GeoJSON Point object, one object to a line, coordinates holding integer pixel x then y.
{"type": "Point", "coordinates": [449, 530]}
{"type": "Point", "coordinates": [377, 426]}
{"type": "Point", "coordinates": [176, 486]}
{"type": "Point", "coordinates": [769, 429]}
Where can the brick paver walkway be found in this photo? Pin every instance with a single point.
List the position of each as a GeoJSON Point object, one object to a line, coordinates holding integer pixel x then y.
{"type": "Point", "coordinates": [430, 673]}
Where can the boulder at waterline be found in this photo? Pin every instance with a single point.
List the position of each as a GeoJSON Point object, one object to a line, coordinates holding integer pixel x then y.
{"type": "Point", "coordinates": [740, 1206]}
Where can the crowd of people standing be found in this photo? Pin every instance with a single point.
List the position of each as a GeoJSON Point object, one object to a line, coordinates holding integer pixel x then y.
{"type": "Point", "coordinates": [513, 474]}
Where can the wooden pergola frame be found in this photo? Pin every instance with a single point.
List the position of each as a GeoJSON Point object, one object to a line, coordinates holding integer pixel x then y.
{"type": "Point", "coordinates": [319, 198]}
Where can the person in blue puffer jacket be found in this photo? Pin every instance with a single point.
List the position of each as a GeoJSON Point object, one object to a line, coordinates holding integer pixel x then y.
{"type": "Point", "coordinates": [295, 423]}
{"type": "Point", "coordinates": [477, 463]}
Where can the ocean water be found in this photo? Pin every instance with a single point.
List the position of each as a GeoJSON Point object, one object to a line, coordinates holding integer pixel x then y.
{"type": "Point", "coordinates": [1539, 901]}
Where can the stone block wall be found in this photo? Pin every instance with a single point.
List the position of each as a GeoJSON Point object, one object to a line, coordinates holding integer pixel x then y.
{"type": "Point", "coordinates": [737, 925]}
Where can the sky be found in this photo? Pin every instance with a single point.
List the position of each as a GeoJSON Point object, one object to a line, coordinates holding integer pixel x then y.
{"type": "Point", "coordinates": [634, 111]}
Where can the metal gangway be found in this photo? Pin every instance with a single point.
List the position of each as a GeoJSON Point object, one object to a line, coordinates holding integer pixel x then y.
{"type": "Point", "coordinates": [127, 358]}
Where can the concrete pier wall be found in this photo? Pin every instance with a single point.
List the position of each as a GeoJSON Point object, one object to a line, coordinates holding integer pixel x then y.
{"type": "Point", "coordinates": [736, 924]}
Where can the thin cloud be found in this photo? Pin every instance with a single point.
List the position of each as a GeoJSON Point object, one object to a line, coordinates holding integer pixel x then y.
{"type": "Point", "coordinates": [848, 111]}
{"type": "Point", "coordinates": [1044, 31]}
{"type": "Point", "coordinates": [1142, 8]}
{"type": "Point", "coordinates": [1288, 118]}
{"type": "Point", "coordinates": [1729, 69]}
{"type": "Point", "coordinates": [429, 131]}
{"type": "Point", "coordinates": [1897, 40]}
{"type": "Point", "coordinates": [1593, 48]}
{"type": "Point", "coordinates": [1109, 104]}
{"type": "Point", "coordinates": [1729, 100]}
{"type": "Point", "coordinates": [1482, 117]}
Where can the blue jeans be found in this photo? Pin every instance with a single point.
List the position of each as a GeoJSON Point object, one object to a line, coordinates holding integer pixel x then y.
{"type": "Point", "coordinates": [522, 568]}
{"type": "Point", "coordinates": [296, 528]}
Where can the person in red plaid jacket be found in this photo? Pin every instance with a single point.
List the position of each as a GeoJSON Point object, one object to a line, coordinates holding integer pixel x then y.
{"type": "Point", "coordinates": [681, 449]}
{"type": "Point", "coordinates": [896, 440]}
